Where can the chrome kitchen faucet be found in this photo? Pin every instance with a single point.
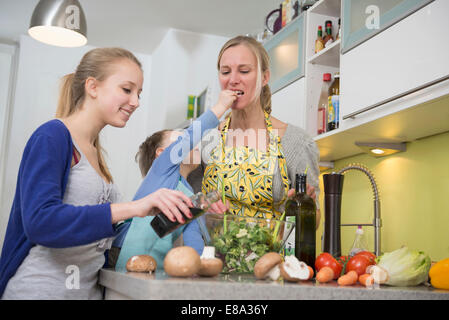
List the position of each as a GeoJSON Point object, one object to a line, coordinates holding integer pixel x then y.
{"type": "Point", "coordinates": [377, 222]}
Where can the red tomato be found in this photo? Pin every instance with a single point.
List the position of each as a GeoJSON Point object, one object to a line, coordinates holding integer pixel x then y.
{"type": "Point", "coordinates": [371, 256]}
{"type": "Point", "coordinates": [327, 260]}
{"type": "Point", "coordinates": [358, 263]}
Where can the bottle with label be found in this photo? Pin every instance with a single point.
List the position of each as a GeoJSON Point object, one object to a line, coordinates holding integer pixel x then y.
{"type": "Point", "coordinates": [201, 203]}
{"type": "Point", "coordinates": [359, 244]}
{"type": "Point", "coordinates": [339, 30]}
{"type": "Point", "coordinates": [319, 43]}
{"type": "Point", "coordinates": [333, 108]}
{"type": "Point", "coordinates": [328, 39]}
{"type": "Point", "coordinates": [284, 13]}
{"type": "Point", "coordinates": [303, 208]}
{"type": "Point", "coordinates": [322, 104]}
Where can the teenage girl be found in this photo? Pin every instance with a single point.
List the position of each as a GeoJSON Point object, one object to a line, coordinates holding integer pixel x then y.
{"type": "Point", "coordinates": [63, 214]}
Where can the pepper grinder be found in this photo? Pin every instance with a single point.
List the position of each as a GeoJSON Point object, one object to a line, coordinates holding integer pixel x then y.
{"type": "Point", "coordinates": [333, 186]}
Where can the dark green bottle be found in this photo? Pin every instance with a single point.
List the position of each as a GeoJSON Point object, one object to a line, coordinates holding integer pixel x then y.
{"type": "Point", "coordinates": [307, 234]}
{"type": "Point", "coordinates": [291, 215]}
{"type": "Point", "coordinates": [302, 208]}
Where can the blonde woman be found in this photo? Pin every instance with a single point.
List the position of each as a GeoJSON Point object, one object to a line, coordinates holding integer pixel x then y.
{"type": "Point", "coordinates": [254, 157]}
{"type": "Point", "coordinates": [63, 215]}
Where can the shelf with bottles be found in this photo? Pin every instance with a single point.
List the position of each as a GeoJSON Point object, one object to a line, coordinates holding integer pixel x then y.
{"type": "Point", "coordinates": [321, 58]}
{"type": "Point", "coordinates": [329, 56]}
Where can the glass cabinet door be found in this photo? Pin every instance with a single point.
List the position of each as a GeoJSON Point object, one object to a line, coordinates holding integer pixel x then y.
{"type": "Point", "coordinates": [286, 51]}
{"type": "Point", "coordinates": [363, 19]}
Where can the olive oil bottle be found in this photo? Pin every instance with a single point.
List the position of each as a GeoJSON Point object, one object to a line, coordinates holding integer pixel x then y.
{"type": "Point", "coordinates": [303, 208]}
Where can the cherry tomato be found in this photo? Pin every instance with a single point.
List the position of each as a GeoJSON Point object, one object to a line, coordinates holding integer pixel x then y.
{"type": "Point", "coordinates": [371, 256]}
{"type": "Point", "coordinates": [358, 263]}
{"type": "Point", "coordinates": [327, 260]}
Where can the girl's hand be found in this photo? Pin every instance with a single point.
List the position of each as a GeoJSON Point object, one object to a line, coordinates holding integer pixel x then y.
{"type": "Point", "coordinates": [225, 101]}
{"type": "Point", "coordinates": [219, 207]}
{"type": "Point", "coordinates": [169, 202]}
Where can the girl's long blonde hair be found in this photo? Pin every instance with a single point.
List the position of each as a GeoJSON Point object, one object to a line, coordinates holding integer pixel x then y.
{"type": "Point", "coordinates": [96, 63]}
{"type": "Point", "coordinates": [263, 64]}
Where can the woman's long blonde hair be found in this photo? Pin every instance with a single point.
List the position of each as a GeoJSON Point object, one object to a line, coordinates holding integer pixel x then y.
{"type": "Point", "coordinates": [96, 63]}
{"type": "Point", "coordinates": [263, 64]}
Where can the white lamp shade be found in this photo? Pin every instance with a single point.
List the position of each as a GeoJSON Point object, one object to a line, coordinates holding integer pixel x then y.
{"type": "Point", "coordinates": [59, 23]}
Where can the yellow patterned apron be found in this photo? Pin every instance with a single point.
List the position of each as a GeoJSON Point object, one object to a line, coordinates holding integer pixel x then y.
{"type": "Point", "coordinates": [246, 175]}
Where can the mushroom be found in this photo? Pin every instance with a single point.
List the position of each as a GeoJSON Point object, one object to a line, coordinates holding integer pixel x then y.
{"type": "Point", "coordinates": [141, 263]}
{"type": "Point", "coordinates": [210, 266]}
{"type": "Point", "coordinates": [294, 270]}
{"type": "Point", "coordinates": [182, 262]}
{"type": "Point", "coordinates": [268, 266]}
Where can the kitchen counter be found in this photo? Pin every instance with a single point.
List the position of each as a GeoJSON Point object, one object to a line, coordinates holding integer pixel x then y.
{"type": "Point", "coordinates": [157, 286]}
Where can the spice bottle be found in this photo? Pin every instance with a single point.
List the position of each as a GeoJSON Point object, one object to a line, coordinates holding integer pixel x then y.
{"type": "Point", "coordinates": [201, 203]}
{"type": "Point", "coordinates": [319, 43]}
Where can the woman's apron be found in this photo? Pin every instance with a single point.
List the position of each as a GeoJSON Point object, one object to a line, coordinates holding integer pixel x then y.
{"type": "Point", "coordinates": [245, 175]}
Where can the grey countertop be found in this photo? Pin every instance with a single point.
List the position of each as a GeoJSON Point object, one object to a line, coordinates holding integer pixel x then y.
{"type": "Point", "coordinates": [157, 286]}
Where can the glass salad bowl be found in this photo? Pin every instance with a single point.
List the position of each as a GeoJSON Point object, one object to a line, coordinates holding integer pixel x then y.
{"type": "Point", "coordinates": [240, 241]}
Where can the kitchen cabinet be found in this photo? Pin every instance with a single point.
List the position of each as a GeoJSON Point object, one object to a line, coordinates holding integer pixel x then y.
{"type": "Point", "coordinates": [398, 61]}
{"type": "Point", "coordinates": [394, 87]}
{"type": "Point", "coordinates": [366, 18]}
{"type": "Point", "coordinates": [325, 61]}
{"type": "Point", "coordinates": [286, 51]}
{"type": "Point", "coordinates": [288, 104]}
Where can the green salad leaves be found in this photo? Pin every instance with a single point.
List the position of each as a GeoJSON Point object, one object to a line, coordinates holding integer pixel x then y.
{"type": "Point", "coordinates": [241, 244]}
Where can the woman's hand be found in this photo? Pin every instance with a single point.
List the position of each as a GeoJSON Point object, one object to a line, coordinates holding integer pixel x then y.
{"type": "Point", "coordinates": [310, 192]}
{"type": "Point", "coordinates": [219, 207]}
{"type": "Point", "coordinates": [225, 101]}
{"type": "Point", "coordinates": [169, 202]}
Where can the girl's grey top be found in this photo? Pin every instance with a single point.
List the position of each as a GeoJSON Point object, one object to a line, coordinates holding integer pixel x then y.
{"type": "Point", "coordinates": [67, 273]}
{"type": "Point", "coordinates": [300, 151]}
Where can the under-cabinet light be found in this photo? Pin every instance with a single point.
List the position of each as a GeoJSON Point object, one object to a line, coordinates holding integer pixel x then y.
{"type": "Point", "coordinates": [381, 149]}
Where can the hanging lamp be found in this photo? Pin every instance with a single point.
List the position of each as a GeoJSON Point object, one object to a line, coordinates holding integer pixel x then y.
{"type": "Point", "coordinates": [59, 22]}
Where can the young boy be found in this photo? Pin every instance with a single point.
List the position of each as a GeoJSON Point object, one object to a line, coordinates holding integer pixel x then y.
{"type": "Point", "coordinates": [169, 157]}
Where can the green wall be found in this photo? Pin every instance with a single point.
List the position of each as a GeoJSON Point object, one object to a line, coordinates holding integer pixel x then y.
{"type": "Point", "coordinates": [414, 196]}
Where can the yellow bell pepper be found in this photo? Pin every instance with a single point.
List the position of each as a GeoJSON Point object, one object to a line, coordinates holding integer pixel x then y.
{"type": "Point", "coordinates": [439, 274]}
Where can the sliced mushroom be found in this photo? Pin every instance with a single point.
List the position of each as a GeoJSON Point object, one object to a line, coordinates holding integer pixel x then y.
{"type": "Point", "coordinates": [294, 270]}
{"type": "Point", "coordinates": [379, 274]}
{"type": "Point", "coordinates": [182, 262]}
{"type": "Point", "coordinates": [141, 263]}
{"type": "Point", "coordinates": [268, 266]}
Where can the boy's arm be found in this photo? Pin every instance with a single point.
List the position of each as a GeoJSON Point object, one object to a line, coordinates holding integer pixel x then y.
{"type": "Point", "coordinates": [179, 149]}
{"type": "Point", "coordinates": [192, 236]}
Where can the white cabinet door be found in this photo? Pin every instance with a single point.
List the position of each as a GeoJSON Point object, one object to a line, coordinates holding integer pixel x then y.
{"type": "Point", "coordinates": [288, 104]}
{"type": "Point", "coordinates": [409, 54]}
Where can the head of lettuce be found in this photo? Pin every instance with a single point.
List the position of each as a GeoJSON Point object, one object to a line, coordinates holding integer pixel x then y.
{"type": "Point", "coordinates": [405, 267]}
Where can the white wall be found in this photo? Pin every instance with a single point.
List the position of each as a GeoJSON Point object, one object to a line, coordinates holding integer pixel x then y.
{"type": "Point", "coordinates": [7, 73]}
{"type": "Point", "coordinates": [183, 64]}
{"type": "Point", "coordinates": [39, 71]}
